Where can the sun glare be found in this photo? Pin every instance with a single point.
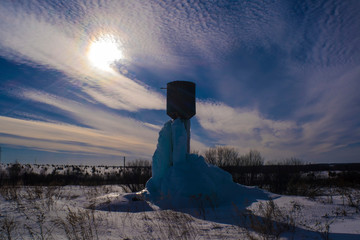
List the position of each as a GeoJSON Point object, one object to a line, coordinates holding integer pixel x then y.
{"type": "Point", "coordinates": [104, 51]}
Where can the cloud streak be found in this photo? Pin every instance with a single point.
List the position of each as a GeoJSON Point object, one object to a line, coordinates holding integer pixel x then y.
{"type": "Point", "coordinates": [60, 137]}
{"type": "Point", "coordinates": [324, 126]}
{"type": "Point", "coordinates": [105, 132]}
{"type": "Point", "coordinates": [102, 132]}
{"type": "Point", "coordinates": [247, 129]}
{"type": "Point", "coordinates": [109, 123]}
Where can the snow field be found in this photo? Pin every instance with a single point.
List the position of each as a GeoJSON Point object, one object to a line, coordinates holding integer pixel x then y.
{"type": "Point", "coordinates": [70, 212]}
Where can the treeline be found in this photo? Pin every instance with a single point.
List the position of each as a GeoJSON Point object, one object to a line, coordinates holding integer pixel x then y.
{"type": "Point", "coordinates": [286, 176]}
{"type": "Point", "coordinates": [224, 156]}
{"type": "Point", "coordinates": [134, 175]}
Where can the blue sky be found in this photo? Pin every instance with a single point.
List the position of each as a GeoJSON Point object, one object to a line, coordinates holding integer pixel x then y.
{"type": "Point", "coordinates": [80, 80]}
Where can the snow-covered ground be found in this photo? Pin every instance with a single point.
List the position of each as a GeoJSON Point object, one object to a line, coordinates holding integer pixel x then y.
{"type": "Point", "coordinates": [106, 212]}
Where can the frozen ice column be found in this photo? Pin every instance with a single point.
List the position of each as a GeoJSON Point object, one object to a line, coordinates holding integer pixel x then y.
{"type": "Point", "coordinates": [180, 103]}
{"type": "Point", "coordinates": [181, 180]}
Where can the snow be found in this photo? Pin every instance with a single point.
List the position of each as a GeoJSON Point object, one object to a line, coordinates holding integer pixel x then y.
{"type": "Point", "coordinates": [181, 180]}
{"type": "Point", "coordinates": [143, 220]}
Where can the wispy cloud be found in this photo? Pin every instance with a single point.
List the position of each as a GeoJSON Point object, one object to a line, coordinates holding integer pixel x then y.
{"type": "Point", "coordinates": [329, 110]}
{"type": "Point", "coordinates": [247, 129]}
{"type": "Point", "coordinates": [175, 35]}
{"type": "Point", "coordinates": [48, 40]}
{"type": "Point", "coordinates": [105, 132]}
{"type": "Point", "coordinates": [60, 137]}
{"type": "Point", "coordinates": [323, 124]}
{"type": "Point", "coordinates": [106, 135]}
{"type": "Point", "coordinates": [102, 132]}
{"type": "Point", "coordinates": [96, 118]}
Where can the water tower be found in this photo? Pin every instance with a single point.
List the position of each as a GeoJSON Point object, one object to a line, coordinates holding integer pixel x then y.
{"type": "Point", "coordinates": [180, 103]}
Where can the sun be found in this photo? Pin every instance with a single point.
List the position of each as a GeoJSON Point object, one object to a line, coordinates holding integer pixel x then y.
{"type": "Point", "coordinates": [104, 51]}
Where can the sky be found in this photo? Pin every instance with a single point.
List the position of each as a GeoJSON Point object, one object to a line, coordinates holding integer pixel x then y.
{"type": "Point", "coordinates": [80, 81]}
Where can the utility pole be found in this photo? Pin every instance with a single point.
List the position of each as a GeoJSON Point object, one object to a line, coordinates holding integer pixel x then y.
{"type": "Point", "coordinates": [0, 154]}
{"type": "Point", "coordinates": [124, 162]}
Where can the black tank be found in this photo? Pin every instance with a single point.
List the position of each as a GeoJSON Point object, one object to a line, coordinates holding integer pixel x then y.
{"type": "Point", "coordinates": [180, 100]}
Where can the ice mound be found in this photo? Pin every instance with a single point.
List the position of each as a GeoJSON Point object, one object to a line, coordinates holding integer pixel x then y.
{"type": "Point", "coordinates": [181, 180]}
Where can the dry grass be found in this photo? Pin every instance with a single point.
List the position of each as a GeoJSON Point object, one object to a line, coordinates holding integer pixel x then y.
{"type": "Point", "coordinates": [48, 213]}
{"type": "Point", "coordinates": [268, 221]}
{"type": "Point", "coordinates": [7, 227]}
{"type": "Point", "coordinates": [81, 224]}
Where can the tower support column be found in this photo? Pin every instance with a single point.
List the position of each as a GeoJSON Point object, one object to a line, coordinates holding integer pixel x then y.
{"type": "Point", "coordinates": [187, 127]}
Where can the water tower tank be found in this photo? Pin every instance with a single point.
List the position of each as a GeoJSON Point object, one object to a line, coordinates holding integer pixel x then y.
{"type": "Point", "coordinates": [180, 100]}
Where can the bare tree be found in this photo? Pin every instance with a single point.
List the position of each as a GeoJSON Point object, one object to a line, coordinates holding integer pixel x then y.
{"type": "Point", "coordinates": [222, 156]}
{"type": "Point", "coordinates": [253, 158]}
{"type": "Point", "coordinates": [210, 156]}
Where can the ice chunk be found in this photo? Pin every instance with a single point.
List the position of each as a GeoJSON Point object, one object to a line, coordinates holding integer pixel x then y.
{"type": "Point", "coordinates": [162, 159]}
